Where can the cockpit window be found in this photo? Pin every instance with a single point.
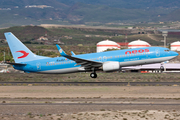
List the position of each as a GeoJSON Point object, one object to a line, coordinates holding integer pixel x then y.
{"type": "Point", "coordinates": [166, 50]}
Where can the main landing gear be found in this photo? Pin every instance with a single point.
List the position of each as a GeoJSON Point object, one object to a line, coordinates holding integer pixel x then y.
{"type": "Point", "coordinates": [93, 75]}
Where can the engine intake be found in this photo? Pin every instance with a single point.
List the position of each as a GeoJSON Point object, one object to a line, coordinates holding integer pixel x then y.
{"type": "Point", "coordinates": [111, 66]}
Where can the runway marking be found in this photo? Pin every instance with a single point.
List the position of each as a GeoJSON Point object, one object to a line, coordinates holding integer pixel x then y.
{"type": "Point", "coordinates": [152, 104]}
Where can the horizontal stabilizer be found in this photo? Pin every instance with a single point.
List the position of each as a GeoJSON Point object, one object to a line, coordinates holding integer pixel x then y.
{"type": "Point", "coordinates": [16, 64]}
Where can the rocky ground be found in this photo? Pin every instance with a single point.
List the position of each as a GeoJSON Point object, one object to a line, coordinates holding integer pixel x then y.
{"type": "Point", "coordinates": [101, 115]}
{"type": "Point", "coordinates": [90, 102]}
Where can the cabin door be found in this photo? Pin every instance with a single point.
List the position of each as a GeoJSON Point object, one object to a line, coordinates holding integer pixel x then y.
{"type": "Point", "coordinates": [38, 66]}
{"type": "Point", "coordinates": [157, 52]}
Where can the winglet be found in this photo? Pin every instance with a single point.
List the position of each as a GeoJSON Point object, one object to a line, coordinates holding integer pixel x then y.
{"type": "Point", "coordinates": [73, 53]}
{"type": "Point", "coordinates": [61, 51]}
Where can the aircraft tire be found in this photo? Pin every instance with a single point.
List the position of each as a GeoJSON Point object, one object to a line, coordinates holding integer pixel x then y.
{"type": "Point", "coordinates": [162, 68]}
{"type": "Point", "coordinates": [93, 75]}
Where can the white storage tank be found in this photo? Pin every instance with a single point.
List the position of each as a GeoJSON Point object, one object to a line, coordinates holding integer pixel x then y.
{"type": "Point", "coordinates": [175, 46]}
{"type": "Point", "coordinates": [138, 43]}
{"type": "Point", "coordinates": [107, 44]}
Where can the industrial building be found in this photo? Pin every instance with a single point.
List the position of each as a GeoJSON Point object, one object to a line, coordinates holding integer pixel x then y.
{"type": "Point", "coordinates": [138, 43]}
{"type": "Point", "coordinates": [175, 46]}
{"type": "Point", "coordinates": [107, 44]}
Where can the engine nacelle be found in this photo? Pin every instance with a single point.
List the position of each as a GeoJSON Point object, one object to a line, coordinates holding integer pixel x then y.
{"type": "Point", "coordinates": [111, 66]}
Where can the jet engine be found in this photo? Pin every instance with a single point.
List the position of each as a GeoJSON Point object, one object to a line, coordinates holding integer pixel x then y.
{"type": "Point", "coordinates": [111, 66]}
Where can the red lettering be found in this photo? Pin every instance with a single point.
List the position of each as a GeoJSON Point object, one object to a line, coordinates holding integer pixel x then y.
{"type": "Point", "coordinates": [134, 51]}
{"type": "Point", "coordinates": [141, 51]}
{"type": "Point", "coordinates": [127, 52]}
{"type": "Point", "coordinates": [146, 50]}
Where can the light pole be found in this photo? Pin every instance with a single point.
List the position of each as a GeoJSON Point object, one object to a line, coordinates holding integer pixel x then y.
{"type": "Point", "coordinates": [164, 33]}
{"type": "Point", "coordinates": [126, 40]}
{"type": "Point", "coordinates": [4, 56]}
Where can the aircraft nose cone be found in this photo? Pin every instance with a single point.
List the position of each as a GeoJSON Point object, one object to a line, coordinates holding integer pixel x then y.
{"type": "Point", "coordinates": [174, 53]}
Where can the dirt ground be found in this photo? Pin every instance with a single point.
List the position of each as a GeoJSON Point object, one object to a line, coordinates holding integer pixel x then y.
{"type": "Point", "coordinates": [100, 115]}
{"type": "Point", "coordinates": [89, 91]}
{"type": "Point", "coordinates": [90, 102]}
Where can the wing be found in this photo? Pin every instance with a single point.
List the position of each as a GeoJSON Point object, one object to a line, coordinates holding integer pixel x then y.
{"type": "Point", "coordinates": [83, 62]}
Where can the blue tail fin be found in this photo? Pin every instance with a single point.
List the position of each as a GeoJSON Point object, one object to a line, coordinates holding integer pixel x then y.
{"type": "Point", "coordinates": [19, 51]}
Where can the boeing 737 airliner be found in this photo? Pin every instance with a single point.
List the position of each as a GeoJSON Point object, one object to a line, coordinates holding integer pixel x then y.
{"type": "Point", "coordinates": [29, 62]}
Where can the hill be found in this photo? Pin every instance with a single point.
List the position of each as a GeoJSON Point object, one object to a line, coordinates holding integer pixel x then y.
{"type": "Point", "coordinates": [25, 33]}
{"type": "Point", "coordinates": [23, 3]}
{"type": "Point", "coordinates": [74, 36]}
{"type": "Point", "coordinates": [25, 12]}
{"type": "Point", "coordinates": [174, 15]}
{"type": "Point", "coordinates": [129, 4]}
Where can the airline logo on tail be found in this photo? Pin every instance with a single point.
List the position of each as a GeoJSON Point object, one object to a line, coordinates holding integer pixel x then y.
{"type": "Point", "coordinates": [25, 54]}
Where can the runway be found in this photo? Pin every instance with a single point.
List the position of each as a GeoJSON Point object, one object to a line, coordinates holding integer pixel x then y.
{"type": "Point", "coordinates": [90, 83]}
{"type": "Point", "coordinates": [51, 106]}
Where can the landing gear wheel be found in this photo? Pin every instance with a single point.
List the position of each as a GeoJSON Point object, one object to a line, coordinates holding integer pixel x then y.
{"type": "Point", "coordinates": [93, 75]}
{"type": "Point", "coordinates": [161, 69]}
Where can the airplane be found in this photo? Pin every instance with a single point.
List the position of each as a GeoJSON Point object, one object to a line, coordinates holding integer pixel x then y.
{"type": "Point", "coordinates": [109, 61]}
